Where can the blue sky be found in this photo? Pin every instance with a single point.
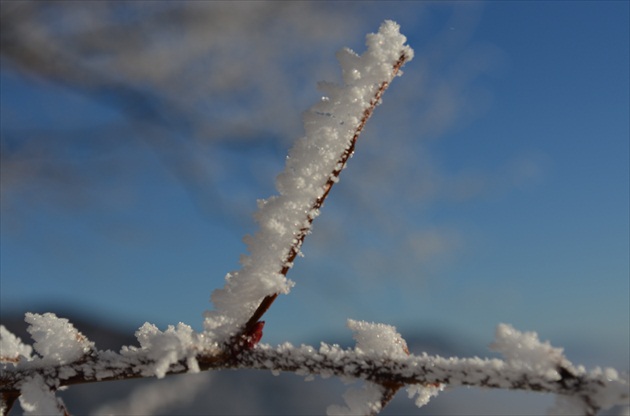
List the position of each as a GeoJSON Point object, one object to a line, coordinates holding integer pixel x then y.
{"type": "Point", "coordinates": [507, 203]}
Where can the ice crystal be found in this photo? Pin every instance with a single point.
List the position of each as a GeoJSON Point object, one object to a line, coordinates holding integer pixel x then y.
{"type": "Point", "coordinates": [378, 340]}
{"type": "Point", "coordinates": [11, 347]}
{"type": "Point", "coordinates": [56, 340]}
{"type": "Point", "coordinates": [167, 348]}
{"type": "Point", "coordinates": [525, 350]}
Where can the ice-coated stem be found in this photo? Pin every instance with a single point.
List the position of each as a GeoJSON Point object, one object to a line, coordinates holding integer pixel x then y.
{"type": "Point", "coordinates": [265, 304]}
{"type": "Point", "coordinates": [599, 389]}
{"type": "Point", "coordinates": [332, 127]}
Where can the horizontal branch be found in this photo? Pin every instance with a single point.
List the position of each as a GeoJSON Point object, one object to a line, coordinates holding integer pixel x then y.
{"type": "Point", "coordinates": [431, 370]}
{"type": "Point", "coordinates": [598, 389]}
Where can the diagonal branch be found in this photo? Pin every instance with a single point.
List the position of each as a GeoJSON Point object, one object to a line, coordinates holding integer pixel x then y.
{"type": "Point", "coordinates": [266, 303]}
{"type": "Point", "coordinates": [313, 166]}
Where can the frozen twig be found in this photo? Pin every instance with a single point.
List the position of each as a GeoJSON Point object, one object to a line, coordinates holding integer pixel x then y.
{"type": "Point", "coordinates": [314, 164]}
{"type": "Point", "coordinates": [595, 390]}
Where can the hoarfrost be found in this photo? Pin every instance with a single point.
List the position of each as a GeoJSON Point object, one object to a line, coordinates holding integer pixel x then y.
{"type": "Point", "coordinates": [56, 339]}
{"type": "Point", "coordinates": [38, 399]}
{"type": "Point", "coordinates": [167, 348]}
{"type": "Point", "coordinates": [330, 127]}
{"type": "Point", "coordinates": [424, 393]}
{"type": "Point", "coordinates": [378, 339]}
{"type": "Point", "coordinates": [373, 341]}
{"type": "Point", "coordinates": [11, 347]}
{"type": "Point", "coordinates": [523, 350]}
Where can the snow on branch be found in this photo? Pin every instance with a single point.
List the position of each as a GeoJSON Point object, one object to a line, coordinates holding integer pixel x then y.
{"type": "Point", "coordinates": [549, 371]}
{"type": "Point", "coordinates": [332, 127]}
{"type": "Point", "coordinates": [372, 339]}
{"type": "Point", "coordinates": [62, 356]}
{"type": "Point", "coordinates": [11, 347]}
{"type": "Point", "coordinates": [425, 375]}
{"type": "Point", "coordinates": [57, 343]}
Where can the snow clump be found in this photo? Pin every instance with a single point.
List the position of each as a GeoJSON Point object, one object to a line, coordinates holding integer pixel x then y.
{"type": "Point", "coordinates": [523, 350]}
{"type": "Point", "coordinates": [11, 347]}
{"type": "Point", "coordinates": [57, 341]}
{"type": "Point", "coordinates": [167, 348]}
{"type": "Point", "coordinates": [378, 340]}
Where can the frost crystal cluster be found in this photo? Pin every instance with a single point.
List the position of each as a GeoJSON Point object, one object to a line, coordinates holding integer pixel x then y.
{"type": "Point", "coordinates": [524, 350]}
{"type": "Point", "coordinates": [167, 348]}
{"type": "Point", "coordinates": [56, 340]}
{"type": "Point", "coordinates": [378, 339]}
{"type": "Point", "coordinates": [11, 347]}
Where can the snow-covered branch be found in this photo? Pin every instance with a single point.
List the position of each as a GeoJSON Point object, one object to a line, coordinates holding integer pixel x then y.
{"type": "Point", "coordinates": [313, 166]}
{"type": "Point", "coordinates": [62, 356]}
{"type": "Point", "coordinates": [529, 365]}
